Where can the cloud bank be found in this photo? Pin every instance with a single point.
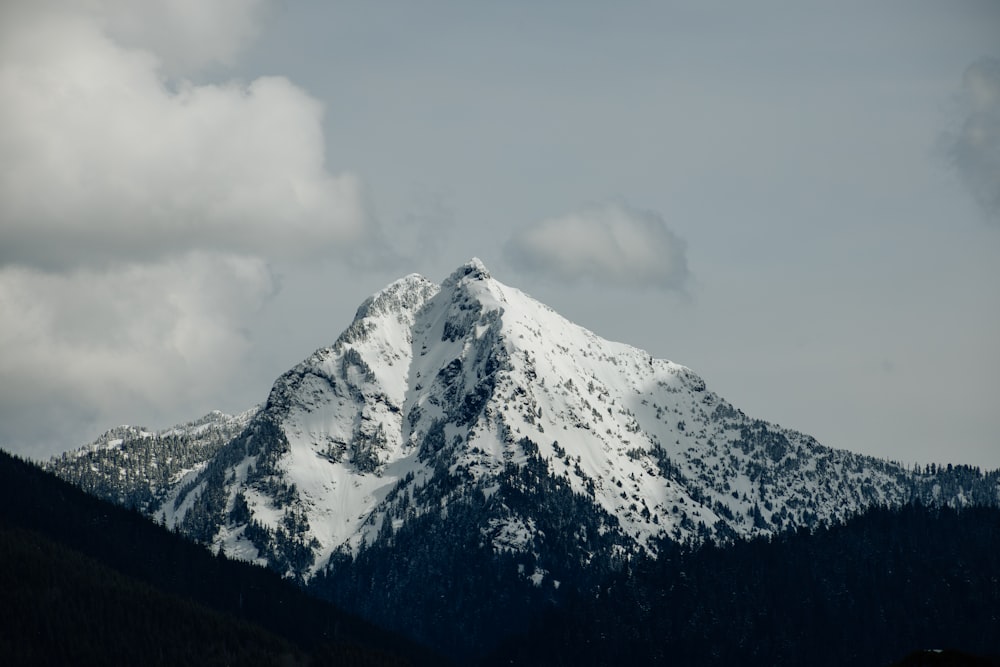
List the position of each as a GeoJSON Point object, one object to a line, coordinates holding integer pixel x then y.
{"type": "Point", "coordinates": [186, 35]}
{"type": "Point", "coordinates": [975, 148]}
{"type": "Point", "coordinates": [610, 244]}
{"type": "Point", "coordinates": [102, 160]}
{"type": "Point", "coordinates": [80, 347]}
{"type": "Point", "coordinates": [140, 212]}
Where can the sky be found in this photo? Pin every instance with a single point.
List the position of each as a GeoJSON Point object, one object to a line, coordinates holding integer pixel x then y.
{"type": "Point", "coordinates": [799, 201]}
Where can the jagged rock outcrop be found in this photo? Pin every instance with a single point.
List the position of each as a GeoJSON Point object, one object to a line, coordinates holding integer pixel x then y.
{"type": "Point", "coordinates": [470, 392]}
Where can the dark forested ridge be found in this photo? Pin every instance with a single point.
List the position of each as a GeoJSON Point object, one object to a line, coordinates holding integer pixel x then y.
{"type": "Point", "coordinates": [876, 588]}
{"type": "Point", "coordinates": [439, 580]}
{"type": "Point", "coordinates": [946, 658]}
{"type": "Point", "coordinates": [63, 608]}
{"type": "Point", "coordinates": [886, 584]}
{"type": "Point", "coordinates": [82, 577]}
{"type": "Point", "coordinates": [87, 582]}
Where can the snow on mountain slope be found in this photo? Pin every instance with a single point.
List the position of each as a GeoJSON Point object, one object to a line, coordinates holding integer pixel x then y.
{"type": "Point", "coordinates": [436, 395]}
{"type": "Point", "coordinates": [134, 466]}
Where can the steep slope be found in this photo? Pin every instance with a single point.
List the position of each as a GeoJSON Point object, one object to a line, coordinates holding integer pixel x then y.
{"type": "Point", "coordinates": [465, 427]}
{"type": "Point", "coordinates": [88, 582]}
{"type": "Point", "coordinates": [434, 392]}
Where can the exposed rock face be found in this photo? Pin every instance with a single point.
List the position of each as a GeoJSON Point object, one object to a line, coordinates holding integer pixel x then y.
{"type": "Point", "coordinates": [471, 393]}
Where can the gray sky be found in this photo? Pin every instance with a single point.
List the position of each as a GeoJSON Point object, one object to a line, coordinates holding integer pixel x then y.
{"type": "Point", "coordinates": [799, 201]}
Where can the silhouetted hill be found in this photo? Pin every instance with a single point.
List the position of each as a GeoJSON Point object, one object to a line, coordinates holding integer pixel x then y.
{"type": "Point", "coordinates": [865, 593]}
{"type": "Point", "coordinates": [943, 658]}
{"type": "Point", "coordinates": [63, 608]}
{"type": "Point", "coordinates": [88, 582]}
{"type": "Point", "coordinates": [93, 582]}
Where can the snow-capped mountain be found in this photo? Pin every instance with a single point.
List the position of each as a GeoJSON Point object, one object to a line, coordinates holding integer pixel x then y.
{"type": "Point", "coordinates": [471, 394]}
{"type": "Point", "coordinates": [133, 466]}
{"type": "Point", "coordinates": [462, 457]}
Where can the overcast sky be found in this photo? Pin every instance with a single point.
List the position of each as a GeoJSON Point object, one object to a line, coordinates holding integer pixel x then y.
{"type": "Point", "coordinates": [799, 201]}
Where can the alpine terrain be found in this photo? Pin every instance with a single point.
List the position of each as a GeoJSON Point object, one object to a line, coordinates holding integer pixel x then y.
{"type": "Point", "coordinates": [462, 442]}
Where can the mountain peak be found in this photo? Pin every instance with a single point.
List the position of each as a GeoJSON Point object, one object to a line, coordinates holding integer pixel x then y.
{"type": "Point", "coordinates": [474, 269]}
{"type": "Point", "coordinates": [469, 423]}
{"type": "Point", "coordinates": [440, 400]}
{"type": "Point", "coordinates": [404, 295]}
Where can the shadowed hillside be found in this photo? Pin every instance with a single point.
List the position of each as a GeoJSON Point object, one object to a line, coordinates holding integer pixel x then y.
{"type": "Point", "coordinates": [868, 592]}
{"type": "Point", "coordinates": [87, 581]}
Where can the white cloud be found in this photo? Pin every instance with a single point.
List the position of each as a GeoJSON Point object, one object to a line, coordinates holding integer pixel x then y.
{"type": "Point", "coordinates": [975, 147]}
{"type": "Point", "coordinates": [185, 34]}
{"type": "Point", "coordinates": [100, 159]}
{"type": "Point", "coordinates": [140, 213]}
{"type": "Point", "coordinates": [86, 348]}
{"type": "Point", "coordinates": [612, 244]}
